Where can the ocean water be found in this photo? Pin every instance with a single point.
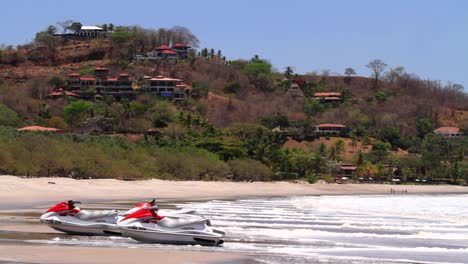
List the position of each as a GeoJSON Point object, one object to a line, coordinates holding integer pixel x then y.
{"type": "Point", "coordinates": [327, 229]}
{"type": "Point", "coordinates": [346, 229]}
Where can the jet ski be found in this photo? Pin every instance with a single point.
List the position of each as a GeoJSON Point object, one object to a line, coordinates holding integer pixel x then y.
{"type": "Point", "coordinates": [67, 217]}
{"type": "Point", "coordinates": [146, 225]}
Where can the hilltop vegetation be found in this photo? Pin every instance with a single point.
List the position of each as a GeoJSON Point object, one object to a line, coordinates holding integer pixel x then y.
{"type": "Point", "coordinates": [224, 130]}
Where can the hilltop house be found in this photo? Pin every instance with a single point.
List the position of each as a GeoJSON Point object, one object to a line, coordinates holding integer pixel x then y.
{"type": "Point", "coordinates": [177, 51]}
{"type": "Point", "coordinates": [91, 32]}
{"type": "Point", "coordinates": [449, 132]}
{"type": "Point", "coordinates": [329, 129]}
{"type": "Point", "coordinates": [101, 84]}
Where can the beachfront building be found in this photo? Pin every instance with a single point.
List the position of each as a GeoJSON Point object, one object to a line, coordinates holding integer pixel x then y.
{"type": "Point", "coordinates": [164, 87]}
{"type": "Point", "coordinates": [328, 97]}
{"type": "Point", "coordinates": [449, 132]}
{"type": "Point", "coordinates": [329, 129]}
{"type": "Point", "coordinates": [177, 51]}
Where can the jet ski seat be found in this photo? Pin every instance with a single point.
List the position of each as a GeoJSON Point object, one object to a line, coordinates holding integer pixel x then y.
{"type": "Point", "coordinates": [91, 215]}
{"type": "Point", "coordinates": [170, 222]}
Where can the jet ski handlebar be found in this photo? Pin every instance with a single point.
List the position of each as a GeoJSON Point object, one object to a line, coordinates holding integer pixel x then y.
{"type": "Point", "coordinates": [151, 208]}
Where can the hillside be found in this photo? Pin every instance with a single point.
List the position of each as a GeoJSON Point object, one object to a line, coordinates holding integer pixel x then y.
{"type": "Point", "coordinates": [387, 118]}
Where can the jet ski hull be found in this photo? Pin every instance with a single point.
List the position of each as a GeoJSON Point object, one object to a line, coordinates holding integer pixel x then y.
{"type": "Point", "coordinates": [182, 237]}
{"type": "Point", "coordinates": [99, 229]}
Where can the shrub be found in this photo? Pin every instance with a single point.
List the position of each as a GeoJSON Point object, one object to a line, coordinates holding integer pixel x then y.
{"type": "Point", "coordinates": [8, 117]}
{"type": "Point", "coordinates": [232, 87]}
{"type": "Point", "coordinates": [249, 170]}
{"type": "Point", "coordinates": [312, 179]}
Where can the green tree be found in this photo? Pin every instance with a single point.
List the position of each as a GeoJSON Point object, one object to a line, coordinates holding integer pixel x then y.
{"type": "Point", "coordinates": [249, 170]}
{"type": "Point", "coordinates": [322, 149]}
{"type": "Point", "coordinates": [200, 89]}
{"type": "Point", "coordinates": [51, 30]}
{"type": "Point", "coordinates": [349, 71]}
{"type": "Point", "coordinates": [232, 87]}
{"type": "Point", "coordinates": [339, 147]}
{"type": "Point", "coordinates": [161, 113]}
{"type": "Point", "coordinates": [259, 73]}
{"type": "Point", "coordinates": [77, 111]}
{"type": "Point", "coordinates": [57, 82]}
{"type": "Point", "coordinates": [390, 135]}
{"type": "Point", "coordinates": [256, 68]}
{"type": "Point", "coordinates": [424, 125]}
{"type": "Point", "coordinates": [288, 72]}
{"type": "Point", "coordinates": [381, 97]}
{"type": "Point", "coordinates": [8, 117]}
{"type": "Point", "coordinates": [75, 27]}
{"type": "Point", "coordinates": [313, 108]}
{"type": "Point", "coordinates": [275, 121]}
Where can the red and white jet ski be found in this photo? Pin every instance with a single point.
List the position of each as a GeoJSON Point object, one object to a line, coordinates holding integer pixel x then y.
{"type": "Point", "coordinates": [146, 225]}
{"type": "Point", "coordinates": [67, 217]}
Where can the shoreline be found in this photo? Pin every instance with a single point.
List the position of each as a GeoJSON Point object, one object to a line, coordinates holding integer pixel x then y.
{"type": "Point", "coordinates": [31, 193]}
{"type": "Point", "coordinates": [18, 192]}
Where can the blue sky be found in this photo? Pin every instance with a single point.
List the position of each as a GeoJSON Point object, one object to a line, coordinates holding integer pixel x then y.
{"type": "Point", "coordinates": [427, 37]}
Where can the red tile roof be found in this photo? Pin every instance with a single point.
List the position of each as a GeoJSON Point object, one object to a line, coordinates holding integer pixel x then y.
{"type": "Point", "coordinates": [124, 74]}
{"type": "Point", "coordinates": [40, 128]}
{"type": "Point", "coordinates": [324, 94]}
{"type": "Point", "coordinates": [87, 79]}
{"type": "Point", "coordinates": [74, 74]}
{"type": "Point", "coordinates": [447, 130]}
{"type": "Point", "coordinates": [60, 93]}
{"type": "Point", "coordinates": [330, 125]}
{"type": "Point", "coordinates": [162, 78]}
{"type": "Point", "coordinates": [169, 52]}
{"type": "Point", "coordinates": [332, 98]}
{"type": "Point", "coordinates": [181, 45]}
{"type": "Point", "coordinates": [348, 167]}
{"type": "Point", "coordinates": [162, 47]}
{"type": "Point", "coordinates": [111, 79]}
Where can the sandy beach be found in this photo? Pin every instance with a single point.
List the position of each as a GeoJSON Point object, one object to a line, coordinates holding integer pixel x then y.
{"type": "Point", "coordinates": [87, 255]}
{"type": "Point", "coordinates": [17, 193]}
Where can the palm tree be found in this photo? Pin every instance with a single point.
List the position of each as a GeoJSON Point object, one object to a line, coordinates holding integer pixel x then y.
{"type": "Point", "coordinates": [289, 72]}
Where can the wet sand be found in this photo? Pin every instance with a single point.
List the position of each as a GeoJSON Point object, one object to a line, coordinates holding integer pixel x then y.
{"type": "Point", "coordinates": [85, 255]}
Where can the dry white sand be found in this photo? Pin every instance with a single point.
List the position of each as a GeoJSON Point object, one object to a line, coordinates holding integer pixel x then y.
{"type": "Point", "coordinates": [33, 191]}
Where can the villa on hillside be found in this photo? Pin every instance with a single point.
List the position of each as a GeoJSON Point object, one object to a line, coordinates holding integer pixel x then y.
{"type": "Point", "coordinates": [101, 84]}
{"type": "Point", "coordinates": [177, 51]}
{"type": "Point", "coordinates": [328, 96]}
{"type": "Point", "coordinates": [329, 129]}
{"type": "Point", "coordinates": [449, 132]}
{"type": "Point", "coordinates": [164, 87]}
{"type": "Point", "coordinates": [120, 87]}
